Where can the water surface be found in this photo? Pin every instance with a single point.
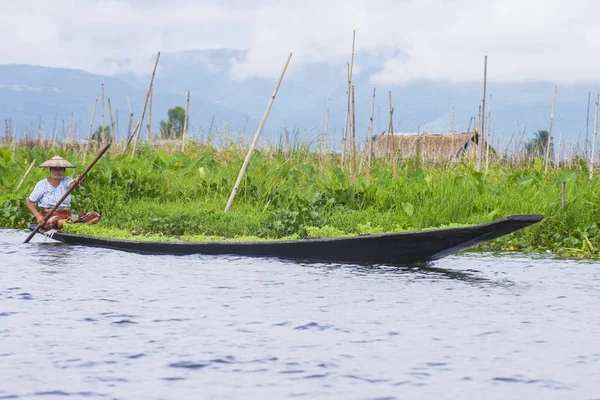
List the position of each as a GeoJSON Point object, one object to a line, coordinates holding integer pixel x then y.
{"type": "Point", "coordinates": [94, 323]}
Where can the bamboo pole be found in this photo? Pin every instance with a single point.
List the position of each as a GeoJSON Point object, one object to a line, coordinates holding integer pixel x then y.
{"type": "Point", "coordinates": [489, 137]}
{"type": "Point", "coordinates": [89, 138]}
{"type": "Point", "coordinates": [353, 140]}
{"type": "Point", "coordinates": [6, 132]}
{"type": "Point", "coordinates": [140, 124]}
{"type": "Point", "coordinates": [25, 176]}
{"type": "Point", "coordinates": [68, 135]}
{"type": "Point", "coordinates": [324, 139]}
{"type": "Point", "coordinates": [370, 133]}
{"type": "Point", "coordinates": [481, 119]}
{"type": "Point", "coordinates": [150, 116]}
{"type": "Point", "coordinates": [346, 129]}
{"type": "Point", "coordinates": [587, 125]}
{"type": "Point", "coordinates": [594, 138]}
{"type": "Point", "coordinates": [130, 125]}
{"type": "Point", "coordinates": [40, 133]}
{"type": "Point", "coordinates": [185, 121]}
{"type": "Point", "coordinates": [255, 140]}
{"type": "Point", "coordinates": [550, 132]}
{"type": "Point", "coordinates": [390, 127]}
{"type": "Point", "coordinates": [112, 123]}
{"type": "Point", "coordinates": [102, 117]}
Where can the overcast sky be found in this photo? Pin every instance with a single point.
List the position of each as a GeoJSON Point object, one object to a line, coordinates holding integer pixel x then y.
{"type": "Point", "coordinates": [441, 40]}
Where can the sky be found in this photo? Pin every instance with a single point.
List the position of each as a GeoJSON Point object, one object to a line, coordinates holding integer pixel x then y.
{"type": "Point", "coordinates": [410, 40]}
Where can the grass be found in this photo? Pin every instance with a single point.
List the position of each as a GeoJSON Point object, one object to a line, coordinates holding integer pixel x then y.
{"type": "Point", "coordinates": [298, 194]}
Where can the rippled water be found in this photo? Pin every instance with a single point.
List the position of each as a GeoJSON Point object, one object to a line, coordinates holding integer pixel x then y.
{"type": "Point", "coordinates": [86, 322]}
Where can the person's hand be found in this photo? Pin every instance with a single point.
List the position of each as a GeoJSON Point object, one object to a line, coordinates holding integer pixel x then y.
{"type": "Point", "coordinates": [40, 220]}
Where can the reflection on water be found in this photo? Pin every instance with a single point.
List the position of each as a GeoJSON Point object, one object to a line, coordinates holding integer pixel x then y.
{"type": "Point", "coordinates": [87, 322]}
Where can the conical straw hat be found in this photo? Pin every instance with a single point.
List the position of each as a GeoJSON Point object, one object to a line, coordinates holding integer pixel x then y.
{"type": "Point", "coordinates": [56, 161]}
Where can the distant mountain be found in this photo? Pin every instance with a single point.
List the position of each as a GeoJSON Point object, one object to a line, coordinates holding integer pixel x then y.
{"type": "Point", "coordinates": [27, 92]}
{"type": "Point", "coordinates": [418, 106]}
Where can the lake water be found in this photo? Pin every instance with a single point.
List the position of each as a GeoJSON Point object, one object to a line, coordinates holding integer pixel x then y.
{"type": "Point", "coordinates": [93, 323]}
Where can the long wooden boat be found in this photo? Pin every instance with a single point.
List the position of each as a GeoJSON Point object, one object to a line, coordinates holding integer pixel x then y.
{"type": "Point", "coordinates": [403, 248]}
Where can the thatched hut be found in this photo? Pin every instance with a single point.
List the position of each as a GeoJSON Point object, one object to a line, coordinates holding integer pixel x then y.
{"type": "Point", "coordinates": [441, 147]}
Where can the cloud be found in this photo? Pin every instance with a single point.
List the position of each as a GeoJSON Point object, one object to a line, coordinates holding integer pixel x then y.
{"type": "Point", "coordinates": [439, 40]}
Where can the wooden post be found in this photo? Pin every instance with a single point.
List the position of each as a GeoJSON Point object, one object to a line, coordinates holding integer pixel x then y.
{"type": "Point", "coordinates": [112, 123]}
{"type": "Point", "coordinates": [594, 138]}
{"type": "Point", "coordinates": [69, 128]}
{"type": "Point", "coordinates": [40, 133]}
{"type": "Point", "coordinates": [185, 121]}
{"type": "Point", "coordinates": [587, 125]}
{"type": "Point", "coordinates": [550, 133]}
{"type": "Point", "coordinates": [564, 193]}
{"type": "Point", "coordinates": [370, 133]}
{"type": "Point", "coordinates": [89, 138]}
{"type": "Point", "coordinates": [325, 139]}
{"type": "Point", "coordinates": [25, 176]}
{"type": "Point", "coordinates": [390, 130]}
{"type": "Point", "coordinates": [6, 132]}
{"type": "Point", "coordinates": [102, 117]}
{"type": "Point", "coordinates": [353, 139]}
{"type": "Point", "coordinates": [150, 116]}
{"type": "Point", "coordinates": [346, 127]}
{"type": "Point", "coordinates": [481, 119]}
{"type": "Point", "coordinates": [255, 140]}
{"type": "Point", "coordinates": [138, 127]}
{"type": "Point", "coordinates": [489, 137]}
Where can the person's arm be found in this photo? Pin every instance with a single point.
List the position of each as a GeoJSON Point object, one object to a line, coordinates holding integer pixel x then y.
{"type": "Point", "coordinates": [33, 209]}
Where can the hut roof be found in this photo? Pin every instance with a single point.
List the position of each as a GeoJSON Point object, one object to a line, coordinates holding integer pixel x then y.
{"type": "Point", "coordinates": [434, 147]}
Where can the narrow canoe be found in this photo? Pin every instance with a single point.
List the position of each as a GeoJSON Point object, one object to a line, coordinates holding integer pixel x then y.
{"type": "Point", "coordinates": [403, 248]}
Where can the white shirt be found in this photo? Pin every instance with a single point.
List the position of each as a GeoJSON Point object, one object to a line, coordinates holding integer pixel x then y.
{"type": "Point", "coordinates": [47, 195]}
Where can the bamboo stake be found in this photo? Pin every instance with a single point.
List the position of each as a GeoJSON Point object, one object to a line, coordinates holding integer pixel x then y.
{"type": "Point", "coordinates": [481, 119]}
{"type": "Point", "coordinates": [187, 110]}
{"type": "Point", "coordinates": [89, 138]}
{"type": "Point", "coordinates": [255, 140]}
{"type": "Point", "coordinates": [150, 116]}
{"type": "Point", "coordinates": [324, 139]}
{"type": "Point", "coordinates": [25, 176]}
{"type": "Point", "coordinates": [346, 127]}
{"type": "Point", "coordinates": [6, 132]}
{"type": "Point", "coordinates": [587, 125]}
{"type": "Point", "coordinates": [68, 135]}
{"type": "Point", "coordinates": [140, 124]}
{"type": "Point", "coordinates": [594, 138]}
{"type": "Point", "coordinates": [489, 137]}
{"type": "Point", "coordinates": [130, 126]}
{"type": "Point", "coordinates": [370, 133]}
{"type": "Point", "coordinates": [550, 132]}
{"type": "Point", "coordinates": [40, 133]}
{"type": "Point", "coordinates": [67, 193]}
{"type": "Point", "coordinates": [390, 127]}
{"type": "Point", "coordinates": [353, 140]}
{"type": "Point", "coordinates": [112, 123]}
{"type": "Point", "coordinates": [102, 119]}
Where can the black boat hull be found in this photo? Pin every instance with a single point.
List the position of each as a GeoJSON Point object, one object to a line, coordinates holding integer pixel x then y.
{"type": "Point", "coordinates": [404, 248]}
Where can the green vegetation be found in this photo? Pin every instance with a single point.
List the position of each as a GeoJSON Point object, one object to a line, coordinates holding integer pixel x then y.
{"type": "Point", "coordinates": [298, 194]}
{"type": "Point", "coordinates": [173, 128]}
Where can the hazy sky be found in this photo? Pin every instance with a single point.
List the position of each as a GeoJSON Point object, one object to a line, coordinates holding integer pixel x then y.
{"type": "Point", "coordinates": [552, 40]}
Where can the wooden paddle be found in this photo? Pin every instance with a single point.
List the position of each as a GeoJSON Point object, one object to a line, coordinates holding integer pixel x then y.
{"type": "Point", "coordinates": [76, 181]}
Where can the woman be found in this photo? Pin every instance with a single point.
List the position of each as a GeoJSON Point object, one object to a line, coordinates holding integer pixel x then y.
{"type": "Point", "coordinates": [49, 191]}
